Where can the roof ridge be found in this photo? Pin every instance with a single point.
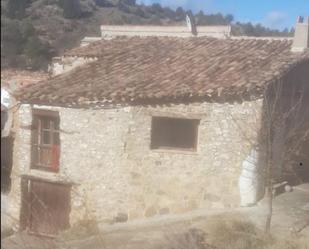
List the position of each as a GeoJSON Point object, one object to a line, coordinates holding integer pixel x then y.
{"type": "Point", "coordinates": [272, 38]}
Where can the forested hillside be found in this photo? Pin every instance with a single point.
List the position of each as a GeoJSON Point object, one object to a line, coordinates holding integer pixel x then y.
{"type": "Point", "coordinates": [32, 31]}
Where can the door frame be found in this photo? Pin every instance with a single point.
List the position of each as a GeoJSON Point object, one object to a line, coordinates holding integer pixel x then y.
{"type": "Point", "coordinates": [26, 198]}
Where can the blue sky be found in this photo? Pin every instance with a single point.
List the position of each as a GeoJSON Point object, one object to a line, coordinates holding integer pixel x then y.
{"type": "Point", "coordinates": [272, 13]}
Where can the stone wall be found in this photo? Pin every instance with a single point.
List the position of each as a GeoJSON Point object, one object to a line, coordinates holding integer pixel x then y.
{"type": "Point", "coordinates": [106, 155]}
{"type": "Point", "coordinates": [112, 31]}
{"type": "Point", "coordinates": [21, 161]}
{"type": "Point", "coordinates": [64, 64]}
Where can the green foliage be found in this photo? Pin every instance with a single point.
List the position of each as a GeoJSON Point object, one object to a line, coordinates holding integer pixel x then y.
{"type": "Point", "coordinates": [156, 9]}
{"type": "Point", "coordinates": [180, 14]}
{"type": "Point", "coordinates": [229, 18]}
{"type": "Point", "coordinates": [34, 47]}
{"type": "Point", "coordinates": [21, 47]}
{"type": "Point", "coordinates": [258, 30]}
{"type": "Point", "coordinates": [71, 8]}
{"type": "Point", "coordinates": [27, 29]}
{"type": "Point", "coordinates": [124, 7]}
{"type": "Point", "coordinates": [11, 37]}
{"type": "Point", "coordinates": [10, 31]}
{"type": "Point", "coordinates": [128, 2]}
{"type": "Point", "coordinates": [104, 3]}
{"type": "Point", "coordinates": [213, 19]}
{"type": "Point", "coordinates": [169, 13]}
{"type": "Point", "coordinates": [140, 12]}
{"type": "Point", "coordinates": [17, 8]}
{"type": "Point", "coordinates": [155, 20]}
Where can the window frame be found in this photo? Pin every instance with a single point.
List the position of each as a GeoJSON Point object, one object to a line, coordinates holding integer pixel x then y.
{"type": "Point", "coordinates": [38, 115]}
{"type": "Point", "coordinates": [193, 150]}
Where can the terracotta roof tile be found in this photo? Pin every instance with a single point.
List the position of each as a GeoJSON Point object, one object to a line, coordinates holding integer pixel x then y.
{"type": "Point", "coordinates": [15, 79]}
{"type": "Point", "coordinates": [159, 68]}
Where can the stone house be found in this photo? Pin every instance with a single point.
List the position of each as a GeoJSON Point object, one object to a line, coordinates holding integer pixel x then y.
{"type": "Point", "coordinates": [154, 125]}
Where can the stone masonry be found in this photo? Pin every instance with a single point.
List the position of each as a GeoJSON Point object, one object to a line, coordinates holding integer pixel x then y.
{"type": "Point", "coordinates": [106, 155]}
{"type": "Point", "coordinates": [64, 64]}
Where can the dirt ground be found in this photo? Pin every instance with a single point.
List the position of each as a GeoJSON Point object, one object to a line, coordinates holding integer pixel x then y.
{"type": "Point", "coordinates": [290, 215]}
{"type": "Point", "coordinates": [290, 212]}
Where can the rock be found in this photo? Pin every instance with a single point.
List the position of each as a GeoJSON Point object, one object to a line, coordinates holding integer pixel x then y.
{"type": "Point", "coordinates": [191, 205]}
{"type": "Point", "coordinates": [135, 175]}
{"type": "Point", "coordinates": [217, 205]}
{"type": "Point", "coordinates": [121, 217]}
{"type": "Point", "coordinates": [108, 221]}
{"type": "Point", "coordinates": [288, 188]}
{"type": "Point", "coordinates": [305, 207]}
{"type": "Point", "coordinates": [160, 192]}
{"type": "Point", "coordinates": [151, 211]}
{"type": "Point", "coordinates": [211, 197]}
{"type": "Point", "coordinates": [163, 211]}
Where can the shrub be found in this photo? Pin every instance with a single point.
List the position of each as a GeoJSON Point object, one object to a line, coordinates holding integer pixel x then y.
{"type": "Point", "coordinates": [228, 232]}
{"type": "Point", "coordinates": [180, 14]}
{"type": "Point", "coordinates": [129, 2]}
{"type": "Point", "coordinates": [104, 3]}
{"type": "Point", "coordinates": [233, 233]}
{"type": "Point", "coordinates": [37, 53]}
{"type": "Point", "coordinates": [71, 8]}
{"type": "Point", "coordinates": [17, 8]}
{"type": "Point", "coordinates": [191, 239]}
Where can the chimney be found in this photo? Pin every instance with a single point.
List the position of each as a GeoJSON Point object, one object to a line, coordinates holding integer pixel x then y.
{"type": "Point", "coordinates": [301, 36]}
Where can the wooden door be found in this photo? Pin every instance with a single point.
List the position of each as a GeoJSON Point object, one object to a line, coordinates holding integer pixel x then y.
{"type": "Point", "coordinates": [49, 207]}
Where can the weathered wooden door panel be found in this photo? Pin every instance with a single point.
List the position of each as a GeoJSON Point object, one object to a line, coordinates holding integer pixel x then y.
{"type": "Point", "coordinates": [49, 207]}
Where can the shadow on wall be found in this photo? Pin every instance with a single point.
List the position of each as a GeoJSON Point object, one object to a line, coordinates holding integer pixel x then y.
{"type": "Point", "coordinates": [6, 163]}
{"type": "Point", "coordinates": [284, 137]}
{"type": "Point", "coordinates": [300, 166]}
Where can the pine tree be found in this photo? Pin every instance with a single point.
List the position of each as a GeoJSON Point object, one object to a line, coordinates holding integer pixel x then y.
{"type": "Point", "coordinates": [180, 14]}
{"type": "Point", "coordinates": [71, 8]}
{"type": "Point", "coordinates": [17, 8]}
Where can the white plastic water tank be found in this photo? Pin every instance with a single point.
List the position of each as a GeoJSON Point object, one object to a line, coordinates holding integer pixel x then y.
{"type": "Point", "coordinates": [249, 180]}
{"type": "Point", "coordinates": [7, 101]}
{"type": "Point", "coordinates": [4, 222]}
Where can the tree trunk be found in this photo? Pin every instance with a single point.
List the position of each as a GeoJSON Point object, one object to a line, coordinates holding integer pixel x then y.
{"type": "Point", "coordinates": [269, 185]}
{"type": "Point", "coordinates": [269, 206]}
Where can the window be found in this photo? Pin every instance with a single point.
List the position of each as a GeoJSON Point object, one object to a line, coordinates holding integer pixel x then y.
{"type": "Point", "coordinates": [174, 133]}
{"type": "Point", "coordinates": [45, 140]}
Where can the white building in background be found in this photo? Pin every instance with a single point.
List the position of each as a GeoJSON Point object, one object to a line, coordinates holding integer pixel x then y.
{"type": "Point", "coordinates": [189, 30]}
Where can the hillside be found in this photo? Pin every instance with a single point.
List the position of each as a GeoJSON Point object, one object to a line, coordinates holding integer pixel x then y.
{"type": "Point", "coordinates": [35, 30]}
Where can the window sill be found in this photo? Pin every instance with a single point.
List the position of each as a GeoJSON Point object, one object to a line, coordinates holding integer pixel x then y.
{"type": "Point", "coordinates": [49, 176]}
{"type": "Point", "coordinates": [50, 179]}
{"type": "Point", "coordinates": [45, 169]}
{"type": "Point", "coordinates": [175, 151]}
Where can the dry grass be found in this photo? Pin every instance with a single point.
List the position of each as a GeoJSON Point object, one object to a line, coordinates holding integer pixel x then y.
{"type": "Point", "coordinates": [191, 239]}
{"type": "Point", "coordinates": [6, 233]}
{"type": "Point", "coordinates": [289, 243]}
{"type": "Point", "coordinates": [82, 230]}
{"type": "Point", "coordinates": [219, 232]}
{"type": "Point", "coordinates": [228, 232]}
